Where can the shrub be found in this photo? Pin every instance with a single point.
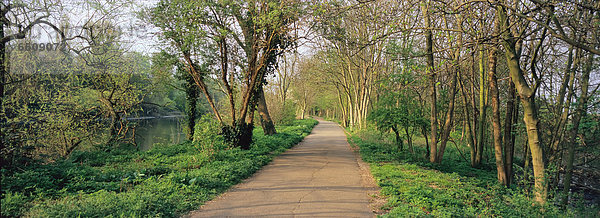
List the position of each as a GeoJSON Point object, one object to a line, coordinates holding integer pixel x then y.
{"type": "Point", "coordinates": [207, 135]}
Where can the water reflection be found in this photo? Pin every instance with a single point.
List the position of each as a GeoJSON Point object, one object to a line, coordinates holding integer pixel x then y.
{"type": "Point", "coordinates": [154, 130]}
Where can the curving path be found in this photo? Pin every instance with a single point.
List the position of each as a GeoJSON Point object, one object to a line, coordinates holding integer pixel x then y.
{"type": "Point", "coordinates": [318, 177]}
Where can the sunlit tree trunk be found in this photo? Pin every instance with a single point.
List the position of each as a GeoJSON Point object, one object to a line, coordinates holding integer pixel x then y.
{"type": "Point", "coordinates": [529, 109]}
{"type": "Point", "coordinates": [482, 112]}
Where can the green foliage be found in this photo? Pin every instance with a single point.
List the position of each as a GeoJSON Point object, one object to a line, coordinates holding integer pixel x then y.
{"type": "Point", "coordinates": [207, 134]}
{"type": "Point", "coordinates": [397, 109]}
{"type": "Point", "coordinates": [60, 102]}
{"type": "Point", "coordinates": [416, 188]}
{"type": "Point", "coordinates": [13, 204]}
{"type": "Point", "coordinates": [166, 181]}
{"type": "Point", "coordinates": [285, 115]}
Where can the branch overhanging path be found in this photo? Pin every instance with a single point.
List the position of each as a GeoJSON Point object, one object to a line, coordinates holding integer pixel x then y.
{"type": "Point", "coordinates": [318, 177]}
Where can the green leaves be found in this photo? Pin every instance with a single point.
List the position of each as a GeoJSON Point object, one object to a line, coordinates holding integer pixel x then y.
{"type": "Point", "coordinates": [166, 181]}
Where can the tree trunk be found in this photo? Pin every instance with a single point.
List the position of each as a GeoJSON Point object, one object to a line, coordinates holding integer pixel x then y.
{"type": "Point", "coordinates": [498, 150]}
{"type": "Point", "coordinates": [432, 82]}
{"type": "Point", "coordinates": [529, 109]}
{"type": "Point", "coordinates": [200, 83]}
{"type": "Point", "coordinates": [449, 118]}
{"type": "Point", "coordinates": [509, 138]}
{"type": "Point", "coordinates": [579, 114]}
{"type": "Point", "coordinates": [224, 72]}
{"type": "Point", "coordinates": [469, 128]}
{"type": "Point", "coordinates": [3, 63]}
{"type": "Point", "coordinates": [192, 102]}
{"type": "Point", "coordinates": [265, 119]}
{"type": "Point", "coordinates": [450, 113]}
{"type": "Point", "coordinates": [399, 142]}
{"type": "Point", "coordinates": [409, 140]}
{"type": "Point", "coordinates": [303, 109]}
{"type": "Point", "coordinates": [482, 111]}
{"type": "Point", "coordinates": [564, 108]}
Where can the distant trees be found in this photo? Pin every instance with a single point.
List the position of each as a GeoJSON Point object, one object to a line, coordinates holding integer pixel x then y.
{"type": "Point", "coordinates": [356, 50]}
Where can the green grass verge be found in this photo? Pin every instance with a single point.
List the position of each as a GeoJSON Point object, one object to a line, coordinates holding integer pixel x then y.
{"type": "Point", "coordinates": [166, 181]}
{"type": "Point", "coordinates": [416, 188]}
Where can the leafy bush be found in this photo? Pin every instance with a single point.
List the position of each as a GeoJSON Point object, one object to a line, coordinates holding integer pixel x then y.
{"type": "Point", "coordinates": [207, 135]}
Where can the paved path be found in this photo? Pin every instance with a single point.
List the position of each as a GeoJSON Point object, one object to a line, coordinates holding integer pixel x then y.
{"type": "Point", "coordinates": [318, 177]}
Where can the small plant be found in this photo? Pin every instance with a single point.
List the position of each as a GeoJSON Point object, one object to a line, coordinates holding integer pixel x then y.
{"type": "Point", "coordinates": [207, 136]}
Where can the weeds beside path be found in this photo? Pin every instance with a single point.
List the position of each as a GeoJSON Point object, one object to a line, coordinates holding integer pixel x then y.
{"type": "Point", "coordinates": [416, 188]}
{"type": "Point", "coordinates": [166, 181]}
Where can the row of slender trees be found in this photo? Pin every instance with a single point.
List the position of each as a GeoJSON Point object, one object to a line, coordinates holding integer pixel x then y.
{"type": "Point", "coordinates": [484, 69]}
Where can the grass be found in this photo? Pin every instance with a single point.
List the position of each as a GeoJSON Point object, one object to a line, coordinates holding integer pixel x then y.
{"type": "Point", "coordinates": [416, 188]}
{"type": "Point", "coordinates": [166, 181]}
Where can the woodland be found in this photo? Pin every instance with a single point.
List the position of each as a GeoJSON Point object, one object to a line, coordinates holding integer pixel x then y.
{"type": "Point", "coordinates": [460, 107]}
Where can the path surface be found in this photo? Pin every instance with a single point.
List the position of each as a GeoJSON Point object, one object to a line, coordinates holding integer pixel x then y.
{"type": "Point", "coordinates": [318, 177]}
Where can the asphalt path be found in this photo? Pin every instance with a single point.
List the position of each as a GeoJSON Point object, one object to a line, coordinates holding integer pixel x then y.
{"type": "Point", "coordinates": [319, 177]}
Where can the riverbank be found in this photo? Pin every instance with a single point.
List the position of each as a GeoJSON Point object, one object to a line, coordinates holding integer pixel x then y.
{"type": "Point", "coordinates": [165, 181]}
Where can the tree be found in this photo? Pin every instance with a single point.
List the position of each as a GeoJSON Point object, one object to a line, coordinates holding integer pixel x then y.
{"type": "Point", "coordinates": [397, 110]}
{"type": "Point", "coordinates": [259, 29]}
{"type": "Point", "coordinates": [17, 19]}
{"type": "Point", "coordinates": [356, 46]}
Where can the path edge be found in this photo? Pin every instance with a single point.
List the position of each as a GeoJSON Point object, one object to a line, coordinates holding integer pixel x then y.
{"type": "Point", "coordinates": [376, 200]}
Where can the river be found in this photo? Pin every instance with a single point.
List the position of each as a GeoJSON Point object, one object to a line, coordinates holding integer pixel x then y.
{"type": "Point", "coordinates": [164, 130]}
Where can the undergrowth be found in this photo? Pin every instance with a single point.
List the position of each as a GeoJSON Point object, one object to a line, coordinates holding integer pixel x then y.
{"type": "Point", "coordinates": [166, 181]}
{"type": "Point", "coordinates": [416, 188]}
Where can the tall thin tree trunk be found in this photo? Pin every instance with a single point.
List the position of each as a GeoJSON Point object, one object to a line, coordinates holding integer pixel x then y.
{"type": "Point", "coordinates": [579, 114]}
{"type": "Point", "coordinates": [469, 131]}
{"type": "Point", "coordinates": [3, 66]}
{"type": "Point", "coordinates": [432, 81]}
{"type": "Point", "coordinates": [498, 150]}
{"type": "Point", "coordinates": [224, 72]}
{"type": "Point", "coordinates": [482, 111]}
{"type": "Point", "coordinates": [558, 133]}
{"type": "Point", "coordinates": [509, 138]}
{"type": "Point", "coordinates": [449, 118]}
{"type": "Point", "coordinates": [529, 109]}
